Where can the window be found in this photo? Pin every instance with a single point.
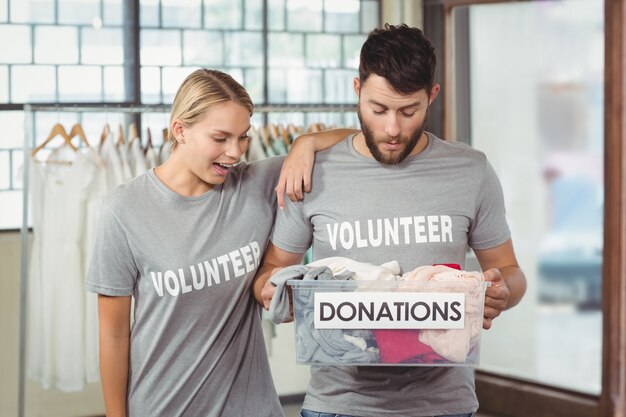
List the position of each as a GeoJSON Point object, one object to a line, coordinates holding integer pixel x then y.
{"type": "Point", "coordinates": [74, 51]}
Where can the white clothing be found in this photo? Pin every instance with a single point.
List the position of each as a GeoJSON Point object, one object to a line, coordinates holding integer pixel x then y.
{"type": "Point", "coordinates": [56, 344]}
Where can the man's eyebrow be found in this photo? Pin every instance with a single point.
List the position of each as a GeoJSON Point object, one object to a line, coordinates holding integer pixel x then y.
{"type": "Point", "coordinates": [415, 104]}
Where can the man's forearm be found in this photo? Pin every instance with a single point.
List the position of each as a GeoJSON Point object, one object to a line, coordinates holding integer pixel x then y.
{"type": "Point", "coordinates": [516, 283]}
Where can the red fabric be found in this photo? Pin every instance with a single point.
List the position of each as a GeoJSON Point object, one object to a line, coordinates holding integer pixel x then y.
{"type": "Point", "coordinates": [454, 266]}
{"type": "Point", "coordinates": [403, 345]}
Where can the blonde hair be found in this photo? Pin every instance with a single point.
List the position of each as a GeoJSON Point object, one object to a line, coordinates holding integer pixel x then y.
{"type": "Point", "coordinates": [201, 90]}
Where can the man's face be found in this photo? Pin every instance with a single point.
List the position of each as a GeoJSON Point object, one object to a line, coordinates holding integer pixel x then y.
{"type": "Point", "coordinates": [392, 123]}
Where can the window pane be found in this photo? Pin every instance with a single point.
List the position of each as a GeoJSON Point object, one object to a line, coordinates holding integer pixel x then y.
{"type": "Point", "coordinates": [160, 47]}
{"type": "Point", "coordinates": [80, 12]}
{"type": "Point", "coordinates": [352, 50]}
{"type": "Point", "coordinates": [342, 16]}
{"type": "Point", "coordinates": [276, 14]}
{"type": "Point", "coordinates": [114, 82]}
{"type": "Point", "coordinates": [172, 79]}
{"type": "Point", "coordinates": [19, 50]}
{"type": "Point", "coordinates": [277, 85]}
{"type": "Point", "coordinates": [203, 48]}
{"type": "Point", "coordinates": [30, 83]}
{"type": "Point", "coordinates": [254, 84]}
{"type": "Point", "coordinates": [11, 203]}
{"type": "Point", "coordinates": [102, 46]}
{"type": "Point", "coordinates": [5, 174]}
{"type": "Point", "coordinates": [80, 83]}
{"type": "Point", "coordinates": [286, 50]}
{"type": "Point", "coordinates": [149, 13]}
{"type": "Point", "coordinates": [304, 86]}
{"type": "Point", "coordinates": [113, 14]}
{"type": "Point", "coordinates": [304, 15]}
{"type": "Point", "coordinates": [338, 85]}
{"type": "Point", "coordinates": [323, 51]}
{"type": "Point", "coordinates": [32, 11]}
{"type": "Point", "coordinates": [13, 122]}
{"type": "Point", "coordinates": [56, 45]}
{"type": "Point", "coordinates": [181, 13]}
{"type": "Point", "coordinates": [18, 163]}
{"type": "Point", "coordinates": [4, 84]}
{"type": "Point", "coordinates": [254, 14]}
{"type": "Point", "coordinates": [553, 123]}
{"type": "Point", "coordinates": [156, 122]}
{"type": "Point", "coordinates": [150, 85]}
{"type": "Point", "coordinates": [4, 11]}
{"type": "Point", "coordinates": [244, 49]}
{"type": "Point", "coordinates": [369, 16]}
{"type": "Point", "coordinates": [222, 14]}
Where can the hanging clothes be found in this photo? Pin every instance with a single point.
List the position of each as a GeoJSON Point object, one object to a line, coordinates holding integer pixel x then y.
{"type": "Point", "coordinates": [56, 342]}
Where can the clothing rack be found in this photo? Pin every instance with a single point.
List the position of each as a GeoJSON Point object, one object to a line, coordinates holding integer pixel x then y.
{"type": "Point", "coordinates": [29, 138]}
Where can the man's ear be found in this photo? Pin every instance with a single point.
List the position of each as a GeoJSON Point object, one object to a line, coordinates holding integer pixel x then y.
{"type": "Point", "coordinates": [433, 93]}
{"type": "Point", "coordinates": [357, 86]}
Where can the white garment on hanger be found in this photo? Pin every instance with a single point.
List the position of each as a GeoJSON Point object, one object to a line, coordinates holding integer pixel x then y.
{"type": "Point", "coordinates": [255, 148]}
{"type": "Point", "coordinates": [122, 148]}
{"type": "Point", "coordinates": [56, 344]}
{"type": "Point", "coordinates": [112, 161]}
{"type": "Point", "coordinates": [136, 158]}
{"type": "Point", "coordinates": [152, 157]}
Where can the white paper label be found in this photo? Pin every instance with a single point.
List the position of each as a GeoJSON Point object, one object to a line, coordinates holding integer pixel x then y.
{"type": "Point", "coordinates": [389, 310]}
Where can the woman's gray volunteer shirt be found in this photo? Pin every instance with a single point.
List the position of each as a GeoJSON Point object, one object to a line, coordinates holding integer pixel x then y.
{"type": "Point", "coordinates": [196, 343]}
{"type": "Point", "coordinates": [426, 210]}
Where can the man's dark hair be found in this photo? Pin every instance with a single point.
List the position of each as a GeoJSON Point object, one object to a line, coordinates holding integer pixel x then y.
{"type": "Point", "coordinates": [400, 54]}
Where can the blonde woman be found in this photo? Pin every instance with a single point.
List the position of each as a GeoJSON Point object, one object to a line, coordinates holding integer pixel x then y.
{"type": "Point", "coordinates": [184, 240]}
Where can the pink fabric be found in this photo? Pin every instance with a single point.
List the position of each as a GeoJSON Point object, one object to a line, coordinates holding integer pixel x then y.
{"type": "Point", "coordinates": [453, 344]}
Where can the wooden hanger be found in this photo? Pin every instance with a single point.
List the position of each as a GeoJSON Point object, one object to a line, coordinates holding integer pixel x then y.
{"type": "Point", "coordinates": [77, 130]}
{"type": "Point", "coordinates": [57, 130]}
{"type": "Point", "coordinates": [148, 141]}
{"type": "Point", "coordinates": [106, 130]}
{"type": "Point", "coordinates": [133, 133]}
{"type": "Point", "coordinates": [284, 133]}
{"type": "Point", "coordinates": [120, 140]}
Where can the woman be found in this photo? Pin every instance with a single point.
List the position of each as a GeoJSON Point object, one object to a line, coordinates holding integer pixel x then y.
{"type": "Point", "coordinates": [184, 240]}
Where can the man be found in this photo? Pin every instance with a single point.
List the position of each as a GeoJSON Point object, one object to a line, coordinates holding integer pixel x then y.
{"type": "Point", "coordinates": [438, 197]}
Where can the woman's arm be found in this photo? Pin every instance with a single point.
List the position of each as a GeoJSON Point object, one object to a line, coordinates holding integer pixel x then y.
{"type": "Point", "coordinates": [295, 175]}
{"type": "Point", "coordinates": [114, 321]}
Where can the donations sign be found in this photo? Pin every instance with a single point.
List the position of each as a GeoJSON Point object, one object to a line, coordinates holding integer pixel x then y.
{"type": "Point", "coordinates": [389, 310]}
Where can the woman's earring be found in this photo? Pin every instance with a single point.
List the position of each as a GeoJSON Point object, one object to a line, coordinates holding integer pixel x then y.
{"type": "Point", "coordinates": [181, 141]}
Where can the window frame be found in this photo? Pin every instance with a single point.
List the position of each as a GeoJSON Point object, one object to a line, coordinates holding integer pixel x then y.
{"type": "Point", "coordinates": [515, 397]}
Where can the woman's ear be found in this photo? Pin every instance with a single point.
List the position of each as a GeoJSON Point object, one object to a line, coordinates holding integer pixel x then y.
{"type": "Point", "coordinates": [177, 129]}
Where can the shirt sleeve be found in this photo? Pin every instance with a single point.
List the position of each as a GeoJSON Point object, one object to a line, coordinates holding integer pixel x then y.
{"type": "Point", "coordinates": [112, 270]}
{"type": "Point", "coordinates": [489, 227]}
{"type": "Point", "coordinates": [293, 231]}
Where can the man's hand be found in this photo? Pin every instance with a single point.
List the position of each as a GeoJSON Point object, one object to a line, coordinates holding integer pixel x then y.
{"type": "Point", "coordinates": [496, 296]}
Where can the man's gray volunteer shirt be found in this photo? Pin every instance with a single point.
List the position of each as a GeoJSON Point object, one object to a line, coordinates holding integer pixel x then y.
{"type": "Point", "coordinates": [196, 343]}
{"type": "Point", "coordinates": [423, 211]}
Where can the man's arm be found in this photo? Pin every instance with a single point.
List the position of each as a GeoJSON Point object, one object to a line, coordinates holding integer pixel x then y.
{"type": "Point", "coordinates": [508, 283]}
{"type": "Point", "coordinates": [114, 320]}
{"type": "Point", "coordinates": [295, 175]}
{"type": "Point", "coordinates": [274, 259]}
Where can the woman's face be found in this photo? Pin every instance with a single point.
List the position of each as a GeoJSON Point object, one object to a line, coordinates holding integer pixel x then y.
{"type": "Point", "coordinates": [211, 146]}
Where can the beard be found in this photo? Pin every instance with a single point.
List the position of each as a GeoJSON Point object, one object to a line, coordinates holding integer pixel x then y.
{"type": "Point", "coordinates": [390, 157]}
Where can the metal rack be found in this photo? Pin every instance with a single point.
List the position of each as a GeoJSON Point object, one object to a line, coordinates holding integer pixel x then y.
{"type": "Point", "coordinates": [29, 138]}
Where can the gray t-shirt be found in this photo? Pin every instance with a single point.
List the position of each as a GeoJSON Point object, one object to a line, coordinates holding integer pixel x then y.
{"type": "Point", "coordinates": [426, 210]}
{"type": "Point", "coordinates": [197, 347]}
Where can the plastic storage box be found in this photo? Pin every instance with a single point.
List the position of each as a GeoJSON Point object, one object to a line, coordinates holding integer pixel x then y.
{"type": "Point", "coordinates": [403, 323]}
